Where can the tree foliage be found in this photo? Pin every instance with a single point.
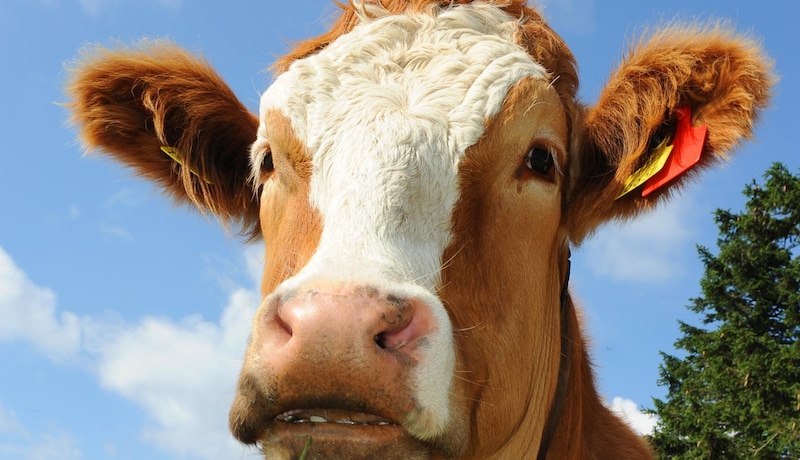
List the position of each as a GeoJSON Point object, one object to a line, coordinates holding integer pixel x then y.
{"type": "Point", "coordinates": [735, 391]}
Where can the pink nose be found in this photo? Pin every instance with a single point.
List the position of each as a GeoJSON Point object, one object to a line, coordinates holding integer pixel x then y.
{"type": "Point", "coordinates": [348, 323]}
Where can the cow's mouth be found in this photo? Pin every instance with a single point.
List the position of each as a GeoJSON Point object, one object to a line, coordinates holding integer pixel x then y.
{"type": "Point", "coordinates": [335, 416]}
{"type": "Point", "coordinates": [339, 434]}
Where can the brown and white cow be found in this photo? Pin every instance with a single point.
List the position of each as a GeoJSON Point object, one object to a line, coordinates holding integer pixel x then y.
{"type": "Point", "coordinates": [418, 174]}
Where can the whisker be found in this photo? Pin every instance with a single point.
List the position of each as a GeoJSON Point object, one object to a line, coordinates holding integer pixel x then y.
{"type": "Point", "coordinates": [469, 328]}
{"type": "Point", "coordinates": [451, 259]}
{"type": "Point", "coordinates": [484, 383]}
{"type": "Point", "coordinates": [466, 398]}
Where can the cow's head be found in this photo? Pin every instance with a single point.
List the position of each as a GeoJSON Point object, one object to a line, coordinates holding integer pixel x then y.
{"type": "Point", "coordinates": [417, 175]}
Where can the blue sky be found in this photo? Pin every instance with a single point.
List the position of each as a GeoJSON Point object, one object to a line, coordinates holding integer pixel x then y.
{"type": "Point", "coordinates": [123, 318]}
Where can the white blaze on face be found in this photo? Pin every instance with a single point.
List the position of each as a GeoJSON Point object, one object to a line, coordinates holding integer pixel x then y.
{"type": "Point", "coordinates": [387, 112]}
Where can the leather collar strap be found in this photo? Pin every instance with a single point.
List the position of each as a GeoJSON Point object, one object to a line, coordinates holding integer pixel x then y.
{"type": "Point", "coordinates": [557, 405]}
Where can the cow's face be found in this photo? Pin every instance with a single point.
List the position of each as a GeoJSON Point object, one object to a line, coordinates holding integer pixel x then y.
{"type": "Point", "coordinates": [410, 180]}
{"type": "Point", "coordinates": [418, 177]}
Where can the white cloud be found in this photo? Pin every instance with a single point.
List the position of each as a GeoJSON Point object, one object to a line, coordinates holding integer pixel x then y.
{"type": "Point", "coordinates": [47, 446]}
{"type": "Point", "coordinates": [181, 373]}
{"type": "Point", "coordinates": [651, 248]}
{"type": "Point", "coordinates": [71, 213]}
{"type": "Point", "coordinates": [9, 423]}
{"type": "Point", "coordinates": [115, 232]}
{"type": "Point", "coordinates": [28, 313]}
{"type": "Point", "coordinates": [127, 197]}
{"type": "Point", "coordinates": [629, 412]}
{"type": "Point", "coordinates": [16, 443]}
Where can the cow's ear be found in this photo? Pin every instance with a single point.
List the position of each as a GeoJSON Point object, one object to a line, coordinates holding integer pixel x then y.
{"type": "Point", "coordinates": [685, 96]}
{"type": "Point", "coordinates": [169, 116]}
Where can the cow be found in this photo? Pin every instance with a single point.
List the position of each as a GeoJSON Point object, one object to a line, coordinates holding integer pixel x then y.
{"type": "Point", "coordinates": [418, 174]}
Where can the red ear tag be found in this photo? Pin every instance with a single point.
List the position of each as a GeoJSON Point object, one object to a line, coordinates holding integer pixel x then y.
{"type": "Point", "coordinates": [686, 151]}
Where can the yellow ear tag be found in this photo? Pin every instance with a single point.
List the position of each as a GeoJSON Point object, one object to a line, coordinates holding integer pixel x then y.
{"type": "Point", "coordinates": [658, 158]}
{"type": "Point", "coordinates": [176, 156]}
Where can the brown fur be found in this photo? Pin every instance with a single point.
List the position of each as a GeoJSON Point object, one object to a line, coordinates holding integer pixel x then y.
{"type": "Point", "coordinates": [724, 78]}
{"type": "Point", "coordinates": [493, 285]}
{"type": "Point", "coordinates": [503, 272]}
{"type": "Point", "coordinates": [282, 215]}
{"type": "Point", "coordinates": [134, 101]}
{"type": "Point", "coordinates": [494, 249]}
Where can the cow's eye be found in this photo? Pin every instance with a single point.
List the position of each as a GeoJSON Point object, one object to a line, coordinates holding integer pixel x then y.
{"type": "Point", "coordinates": [266, 168]}
{"type": "Point", "coordinates": [266, 163]}
{"type": "Point", "coordinates": [540, 160]}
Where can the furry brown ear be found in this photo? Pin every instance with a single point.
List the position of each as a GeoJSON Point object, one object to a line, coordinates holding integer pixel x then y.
{"type": "Point", "coordinates": [134, 102]}
{"type": "Point", "coordinates": [723, 79]}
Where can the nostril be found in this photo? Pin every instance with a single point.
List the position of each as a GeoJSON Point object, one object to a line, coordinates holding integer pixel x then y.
{"type": "Point", "coordinates": [389, 341]}
{"type": "Point", "coordinates": [283, 325]}
{"type": "Point", "coordinates": [401, 335]}
{"type": "Point", "coordinates": [380, 340]}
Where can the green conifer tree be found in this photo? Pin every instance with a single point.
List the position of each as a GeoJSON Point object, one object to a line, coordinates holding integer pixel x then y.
{"type": "Point", "coordinates": [734, 390]}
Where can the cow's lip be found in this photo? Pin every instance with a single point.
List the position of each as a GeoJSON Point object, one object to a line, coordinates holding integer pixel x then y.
{"type": "Point", "coordinates": [333, 416]}
{"type": "Point", "coordinates": [336, 433]}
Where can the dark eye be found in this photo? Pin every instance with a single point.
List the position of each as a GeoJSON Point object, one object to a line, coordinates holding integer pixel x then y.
{"type": "Point", "coordinates": [266, 168]}
{"type": "Point", "coordinates": [266, 163]}
{"type": "Point", "coordinates": [540, 160]}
